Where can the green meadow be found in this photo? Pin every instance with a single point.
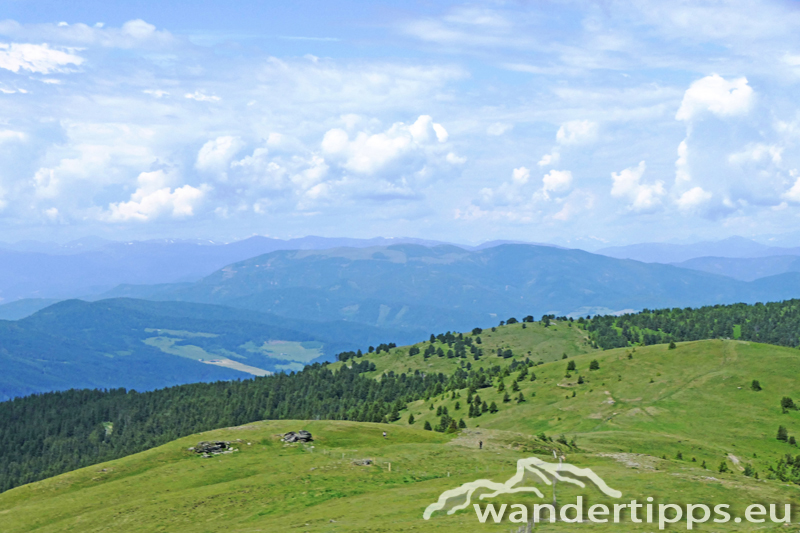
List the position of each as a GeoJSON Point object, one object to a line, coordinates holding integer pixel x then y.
{"type": "Point", "coordinates": [650, 421]}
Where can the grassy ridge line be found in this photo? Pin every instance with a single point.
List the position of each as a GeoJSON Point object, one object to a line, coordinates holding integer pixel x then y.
{"type": "Point", "coordinates": [531, 341]}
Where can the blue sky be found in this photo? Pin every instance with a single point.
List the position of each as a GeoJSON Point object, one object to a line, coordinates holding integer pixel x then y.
{"type": "Point", "coordinates": [577, 123]}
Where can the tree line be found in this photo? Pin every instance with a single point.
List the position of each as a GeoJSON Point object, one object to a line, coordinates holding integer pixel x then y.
{"type": "Point", "coordinates": [771, 323]}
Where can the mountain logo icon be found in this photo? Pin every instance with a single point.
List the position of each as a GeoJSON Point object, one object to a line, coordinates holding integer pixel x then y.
{"type": "Point", "coordinates": [530, 469]}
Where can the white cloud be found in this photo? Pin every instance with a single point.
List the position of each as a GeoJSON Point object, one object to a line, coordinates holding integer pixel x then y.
{"type": "Point", "coordinates": [200, 97]}
{"type": "Point", "coordinates": [454, 159]}
{"type": "Point", "coordinates": [682, 174]}
{"type": "Point", "coordinates": [132, 34]}
{"type": "Point", "coordinates": [793, 194]}
{"type": "Point", "coordinates": [577, 132]}
{"type": "Point", "coordinates": [549, 159]}
{"type": "Point", "coordinates": [693, 199]}
{"type": "Point", "coordinates": [311, 177]}
{"type": "Point", "coordinates": [578, 202]}
{"type": "Point", "coordinates": [716, 95]}
{"type": "Point", "coordinates": [423, 127]}
{"type": "Point", "coordinates": [520, 176]}
{"type": "Point", "coordinates": [10, 135]}
{"type": "Point", "coordinates": [368, 153]}
{"type": "Point", "coordinates": [757, 152]}
{"type": "Point", "coordinates": [499, 128]}
{"type": "Point", "coordinates": [38, 58]}
{"type": "Point", "coordinates": [556, 181]}
{"type": "Point", "coordinates": [156, 92]}
{"type": "Point", "coordinates": [155, 198]}
{"type": "Point", "coordinates": [642, 197]}
{"type": "Point", "coordinates": [215, 155]}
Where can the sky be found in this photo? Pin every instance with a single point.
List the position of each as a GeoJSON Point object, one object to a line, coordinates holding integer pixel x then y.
{"type": "Point", "coordinates": [584, 124]}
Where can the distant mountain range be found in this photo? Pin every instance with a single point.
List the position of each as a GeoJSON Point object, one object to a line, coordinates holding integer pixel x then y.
{"type": "Point", "coordinates": [92, 266]}
{"type": "Point", "coordinates": [744, 269]}
{"type": "Point", "coordinates": [733, 247]}
{"type": "Point", "coordinates": [147, 345]}
{"type": "Point", "coordinates": [735, 257]}
{"type": "Point", "coordinates": [445, 287]}
{"type": "Point", "coordinates": [281, 310]}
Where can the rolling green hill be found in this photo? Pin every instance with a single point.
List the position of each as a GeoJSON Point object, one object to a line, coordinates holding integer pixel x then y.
{"type": "Point", "coordinates": [517, 342]}
{"type": "Point", "coordinates": [629, 421]}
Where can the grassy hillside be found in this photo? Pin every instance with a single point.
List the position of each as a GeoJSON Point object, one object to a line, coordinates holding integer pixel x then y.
{"type": "Point", "coordinates": [696, 399]}
{"type": "Point", "coordinates": [268, 486]}
{"type": "Point", "coordinates": [629, 419]}
{"type": "Point", "coordinates": [530, 341]}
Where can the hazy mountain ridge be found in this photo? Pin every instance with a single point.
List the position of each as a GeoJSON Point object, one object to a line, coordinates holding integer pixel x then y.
{"type": "Point", "coordinates": [447, 287]}
{"type": "Point", "coordinates": [732, 247]}
{"type": "Point", "coordinates": [744, 268]}
{"type": "Point", "coordinates": [92, 266]}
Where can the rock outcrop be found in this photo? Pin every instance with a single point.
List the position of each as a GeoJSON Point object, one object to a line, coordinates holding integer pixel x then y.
{"type": "Point", "coordinates": [299, 436]}
{"type": "Point", "coordinates": [209, 448]}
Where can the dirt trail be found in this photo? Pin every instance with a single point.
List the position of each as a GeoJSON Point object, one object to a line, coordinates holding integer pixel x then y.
{"type": "Point", "coordinates": [735, 461]}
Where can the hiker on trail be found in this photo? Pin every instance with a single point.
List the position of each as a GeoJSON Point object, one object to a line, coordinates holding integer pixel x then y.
{"type": "Point", "coordinates": [384, 434]}
{"type": "Point", "coordinates": [480, 444]}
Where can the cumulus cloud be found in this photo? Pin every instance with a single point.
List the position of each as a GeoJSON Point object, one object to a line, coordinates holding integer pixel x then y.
{"type": "Point", "coordinates": [215, 155]}
{"type": "Point", "coordinates": [682, 174]}
{"type": "Point", "coordinates": [368, 153]}
{"type": "Point", "coordinates": [793, 194]}
{"type": "Point", "coordinates": [693, 199]}
{"type": "Point", "coordinates": [155, 198]}
{"type": "Point", "coordinates": [518, 192]}
{"type": "Point", "coordinates": [37, 58]}
{"type": "Point", "coordinates": [454, 159]}
{"type": "Point", "coordinates": [577, 132]}
{"type": "Point", "coordinates": [642, 196]}
{"type": "Point", "coordinates": [520, 176]}
{"type": "Point", "coordinates": [549, 159]}
{"type": "Point", "coordinates": [556, 182]}
{"type": "Point", "coordinates": [716, 95]}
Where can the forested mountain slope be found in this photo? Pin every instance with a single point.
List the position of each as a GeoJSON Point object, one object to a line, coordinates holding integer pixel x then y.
{"type": "Point", "coordinates": [146, 345]}
{"type": "Point", "coordinates": [445, 287]}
